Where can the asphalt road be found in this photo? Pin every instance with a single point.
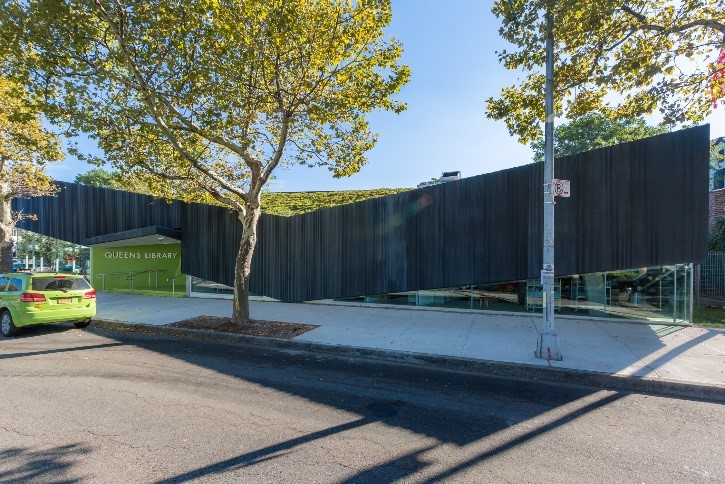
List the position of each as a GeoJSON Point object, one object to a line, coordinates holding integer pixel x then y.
{"type": "Point", "coordinates": [111, 407]}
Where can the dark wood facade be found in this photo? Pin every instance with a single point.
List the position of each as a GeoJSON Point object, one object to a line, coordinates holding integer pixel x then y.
{"type": "Point", "coordinates": [633, 205]}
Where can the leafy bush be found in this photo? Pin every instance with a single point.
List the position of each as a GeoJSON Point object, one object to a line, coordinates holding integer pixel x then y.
{"type": "Point", "coordinates": [294, 203]}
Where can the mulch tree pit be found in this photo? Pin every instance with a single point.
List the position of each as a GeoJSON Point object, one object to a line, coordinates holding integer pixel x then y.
{"type": "Point", "coordinates": [270, 329]}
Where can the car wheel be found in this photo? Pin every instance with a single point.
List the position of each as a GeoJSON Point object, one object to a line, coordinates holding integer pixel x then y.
{"type": "Point", "coordinates": [82, 324]}
{"type": "Point", "coordinates": [7, 328]}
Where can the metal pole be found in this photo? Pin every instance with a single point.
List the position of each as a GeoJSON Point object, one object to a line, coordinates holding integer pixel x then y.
{"type": "Point", "coordinates": [696, 276]}
{"type": "Point", "coordinates": [674, 295]}
{"type": "Point", "coordinates": [548, 343]}
{"type": "Point", "coordinates": [692, 285]}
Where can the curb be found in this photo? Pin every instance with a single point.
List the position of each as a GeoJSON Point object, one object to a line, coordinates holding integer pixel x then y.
{"type": "Point", "coordinates": [672, 388]}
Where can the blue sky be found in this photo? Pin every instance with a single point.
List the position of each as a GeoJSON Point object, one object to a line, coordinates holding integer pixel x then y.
{"type": "Point", "coordinates": [451, 49]}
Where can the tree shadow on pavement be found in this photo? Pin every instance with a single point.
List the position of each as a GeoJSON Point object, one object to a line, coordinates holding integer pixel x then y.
{"type": "Point", "coordinates": [456, 408]}
{"type": "Point", "coordinates": [44, 465]}
{"type": "Point", "coordinates": [264, 454]}
{"type": "Point", "coordinates": [678, 350]}
{"type": "Point", "coordinates": [524, 438]}
{"type": "Point", "coordinates": [392, 470]}
{"type": "Point", "coordinates": [57, 350]}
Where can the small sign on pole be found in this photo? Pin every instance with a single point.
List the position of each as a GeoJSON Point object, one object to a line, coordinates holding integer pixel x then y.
{"type": "Point", "coordinates": [561, 188]}
{"type": "Point", "coordinates": [547, 272]}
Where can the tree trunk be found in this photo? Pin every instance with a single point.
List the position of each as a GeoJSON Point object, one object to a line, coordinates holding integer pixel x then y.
{"type": "Point", "coordinates": [243, 266]}
{"type": "Point", "coordinates": [6, 231]}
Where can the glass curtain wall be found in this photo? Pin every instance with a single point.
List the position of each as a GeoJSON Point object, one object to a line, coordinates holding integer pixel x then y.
{"type": "Point", "coordinates": [40, 253]}
{"type": "Point", "coordinates": [656, 294]}
{"type": "Point", "coordinates": [202, 288]}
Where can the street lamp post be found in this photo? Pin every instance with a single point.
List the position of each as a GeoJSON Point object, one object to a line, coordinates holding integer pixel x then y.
{"type": "Point", "coordinates": [548, 343]}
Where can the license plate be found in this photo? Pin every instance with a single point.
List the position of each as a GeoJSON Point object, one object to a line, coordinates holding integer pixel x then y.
{"type": "Point", "coordinates": [65, 300]}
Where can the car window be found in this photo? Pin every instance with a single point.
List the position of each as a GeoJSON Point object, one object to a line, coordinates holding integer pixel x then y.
{"type": "Point", "coordinates": [4, 283]}
{"type": "Point", "coordinates": [59, 284]}
{"type": "Point", "coordinates": [16, 284]}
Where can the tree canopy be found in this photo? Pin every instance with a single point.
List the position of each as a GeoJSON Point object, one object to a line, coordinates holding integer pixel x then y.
{"type": "Point", "coordinates": [212, 95]}
{"type": "Point", "coordinates": [208, 97]}
{"type": "Point", "coordinates": [26, 146]}
{"type": "Point", "coordinates": [623, 59]}
{"type": "Point", "coordinates": [594, 130]}
{"type": "Point", "coordinates": [98, 177]}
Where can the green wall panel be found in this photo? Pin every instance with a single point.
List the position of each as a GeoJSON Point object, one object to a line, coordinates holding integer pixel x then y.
{"type": "Point", "coordinates": [139, 258]}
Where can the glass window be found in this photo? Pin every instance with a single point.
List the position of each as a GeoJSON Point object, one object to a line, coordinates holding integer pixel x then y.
{"type": "Point", "coordinates": [4, 283]}
{"type": "Point", "coordinates": [507, 296]}
{"type": "Point", "coordinates": [59, 284]}
{"type": "Point", "coordinates": [201, 286]}
{"type": "Point", "coordinates": [651, 294]}
{"type": "Point", "coordinates": [16, 284]}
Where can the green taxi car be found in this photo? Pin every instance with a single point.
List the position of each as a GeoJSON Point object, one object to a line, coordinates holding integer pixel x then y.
{"type": "Point", "coordinates": [29, 299]}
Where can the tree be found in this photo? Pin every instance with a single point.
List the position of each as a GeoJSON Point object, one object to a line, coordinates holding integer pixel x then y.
{"type": "Point", "coordinates": [25, 148]}
{"type": "Point", "coordinates": [209, 97]}
{"type": "Point", "coordinates": [30, 244]}
{"type": "Point", "coordinates": [623, 59]}
{"type": "Point", "coordinates": [98, 177]}
{"type": "Point", "coordinates": [594, 130]}
{"type": "Point", "coordinates": [137, 183]}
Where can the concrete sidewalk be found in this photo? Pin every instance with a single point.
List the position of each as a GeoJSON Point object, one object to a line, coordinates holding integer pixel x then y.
{"type": "Point", "coordinates": [630, 350]}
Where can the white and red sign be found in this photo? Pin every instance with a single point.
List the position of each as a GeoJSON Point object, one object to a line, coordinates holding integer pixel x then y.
{"type": "Point", "coordinates": [561, 188]}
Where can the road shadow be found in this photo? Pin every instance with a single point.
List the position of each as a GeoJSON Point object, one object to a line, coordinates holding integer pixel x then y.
{"type": "Point", "coordinates": [464, 409]}
{"type": "Point", "coordinates": [541, 430]}
{"type": "Point", "coordinates": [264, 454]}
{"type": "Point", "coordinates": [5, 356]}
{"type": "Point", "coordinates": [392, 470]}
{"type": "Point", "coordinates": [41, 330]}
{"type": "Point", "coordinates": [22, 464]}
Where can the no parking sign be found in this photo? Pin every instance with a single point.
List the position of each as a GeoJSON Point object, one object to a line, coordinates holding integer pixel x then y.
{"type": "Point", "coordinates": [561, 188]}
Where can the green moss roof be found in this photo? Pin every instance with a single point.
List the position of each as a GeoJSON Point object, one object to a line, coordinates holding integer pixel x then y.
{"type": "Point", "coordinates": [293, 203]}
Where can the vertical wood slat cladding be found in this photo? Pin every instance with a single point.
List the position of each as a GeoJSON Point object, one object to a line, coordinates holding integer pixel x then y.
{"type": "Point", "coordinates": [79, 211]}
{"type": "Point", "coordinates": [633, 205]}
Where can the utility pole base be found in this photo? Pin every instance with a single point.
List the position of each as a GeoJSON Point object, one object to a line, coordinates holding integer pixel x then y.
{"type": "Point", "coordinates": [547, 347]}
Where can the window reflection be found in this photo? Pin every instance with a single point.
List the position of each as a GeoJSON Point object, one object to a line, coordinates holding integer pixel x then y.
{"type": "Point", "coordinates": [649, 294]}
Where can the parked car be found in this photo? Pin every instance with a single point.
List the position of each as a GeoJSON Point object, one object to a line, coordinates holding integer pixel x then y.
{"type": "Point", "coordinates": [30, 299]}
